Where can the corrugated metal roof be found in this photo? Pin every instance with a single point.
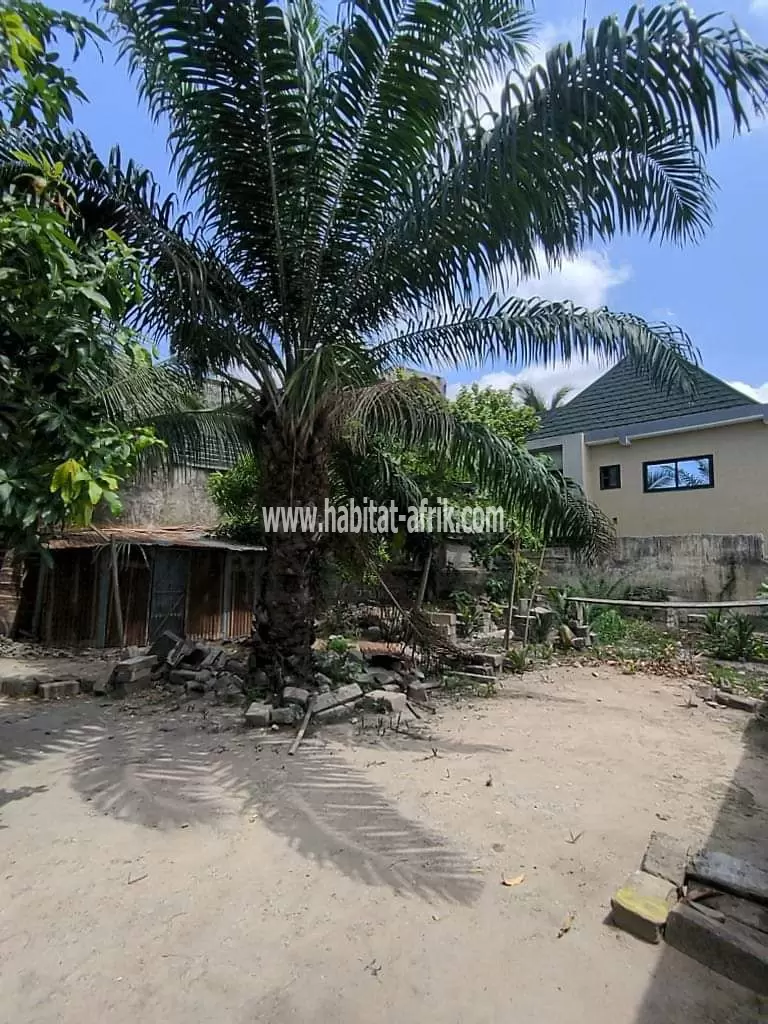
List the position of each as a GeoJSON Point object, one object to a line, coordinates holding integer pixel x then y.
{"type": "Point", "coordinates": [626, 395]}
{"type": "Point", "coordinates": [166, 536]}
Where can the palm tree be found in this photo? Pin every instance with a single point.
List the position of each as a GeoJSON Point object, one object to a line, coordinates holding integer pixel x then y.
{"type": "Point", "coordinates": [536, 401]}
{"type": "Point", "coordinates": [356, 208]}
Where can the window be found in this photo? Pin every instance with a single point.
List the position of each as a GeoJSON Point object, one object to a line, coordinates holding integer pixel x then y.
{"type": "Point", "coordinates": [679, 474]}
{"type": "Point", "coordinates": [610, 478]}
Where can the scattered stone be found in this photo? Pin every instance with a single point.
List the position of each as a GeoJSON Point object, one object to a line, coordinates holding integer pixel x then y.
{"type": "Point", "coordinates": [236, 667]}
{"type": "Point", "coordinates": [566, 636]}
{"type": "Point", "coordinates": [164, 644]}
{"type": "Point", "coordinates": [324, 682]}
{"type": "Point", "coordinates": [181, 651]}
{"type": "Point", "coordinates": [296, 695]}
{"type": "Point", "coordinates": [391, 687]}
{"type": "Point", "coordinates": [737, 700]}
{"type": "Point", "coordinates": [355, 654]}
{"type": "Point", "coordinates": [729, 947]}
{"type": "Point", "coordinates": [132, 668]}
{"type": "Point", "coordinates": [384, 700]}
{"type": "Point", "coordinates": [705, 691]}
{"type": "Point", "coordinates": [216, 658]}
{"type": "Point", "coordinates": [182, 676]}
{"type": "Point", "coordinates": [195, 687]}
{"type": "Point", "coordinates": [229, 688]}
{"type": "Point", "coordinates": [19, 686]}
{"type": "Point", "coordinates": [489, 659]}
{"type": "Point", "coordinates": [372, 633]}
{"type": "Point", "coordinates": [258, 714]}
{"type": "Point", "coordinates": [333, 698]}
{"type": "Point", "coordinates": [729, 873]}
{"type": "Point", "coordinates": [285, 716]}
{"type": "Point", "coordinates": [418, 693]}
{"type": "Point", "coordinates": [666, 857]}
{"type": "Point", "coordinates": [641, 906]}
{"type": "Point", "coordinates": [100, 688]}
{"type": "Point", "coordinates": [59, 688]}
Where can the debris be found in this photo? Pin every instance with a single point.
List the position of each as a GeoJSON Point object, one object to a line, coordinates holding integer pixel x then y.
{"type": "Point", "coordinates": [258, 714]}
{"type": "Point", "coordinates": [384, 700]}
{"type": "Point", "coordinates": [745, 911]}
{"type": "Point", "coordinates": [662, 817]}
{"type": "Point", "coordinates": [164, 644]}
{"type": "Point", "coordinates": [138, 878]}
{"type": "Point", "coordinates": [737, 700]}
{"type": "Point", "coordinates": [567, 924]}
{"type": "Point", "coordinates": [374, 968]}
{"type": "Point", "coordinates": [641, 906]}
{"type": "Point", "coordinates": [729, 947]}
{"type": "Point", "coordinates": [302, 729]}
{"type": "Point", "coordinates": [730, 874]}
{"type": "Point", "coordinates": [343, 695]}
{"type": "Point", "coordinates": [296, 695]}
{"type": "Point", "coordinates": [286, 715]}
{"type": "Point", "coordinates": [418, 693]}
{"type": "Point", "coordinates": [59, 688]}
{"type": "Point", "coordinates": [412, 709]}
{"type": "Point", "coordinates": [237, 667]}
{"type": "Point", "coordinates": [665, 857]}
{"type": "Point", "coordinates": [178, 653]}
{"type": "Point", "coordinates": [510, 882]}
{"type": "Point", "coordinates": [573, 839]}
{"type": "Point", "coordinates": [133, 668]}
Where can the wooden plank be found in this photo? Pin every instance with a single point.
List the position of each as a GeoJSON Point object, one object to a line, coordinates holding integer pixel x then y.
{"type": "Point", "coordinates": [671, 604]}
{"type": "Point", "coordinates": [730, 874]}
{"type": "Point", "coordinates": [302, 729]}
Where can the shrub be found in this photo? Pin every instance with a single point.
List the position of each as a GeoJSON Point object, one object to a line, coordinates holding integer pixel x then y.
{"type": "Point", "coordinates": [731, 637]}
{"type": "Point", "coordinates": [609, 627]}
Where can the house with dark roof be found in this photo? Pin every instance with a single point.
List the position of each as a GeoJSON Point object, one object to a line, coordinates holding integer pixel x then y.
{"type": "Point", "coordinates": [664, 463]}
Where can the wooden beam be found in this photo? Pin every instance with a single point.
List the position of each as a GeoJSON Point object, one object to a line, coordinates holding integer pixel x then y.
{"type": "Point", "coordinates": [671, 604]}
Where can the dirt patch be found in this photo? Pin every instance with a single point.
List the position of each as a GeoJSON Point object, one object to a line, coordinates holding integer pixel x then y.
{"type": "Point", "coordinates": [160, 862]}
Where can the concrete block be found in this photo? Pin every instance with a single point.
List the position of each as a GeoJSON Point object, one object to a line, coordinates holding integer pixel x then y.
{"type": "Point", "coordinates": [258, 714]}
{"type": "Point", "coordinates": [737, 909]}
{"type": "Point", "coordinates": [490, 660]}
{"type": "Point", "coordinates": [60, 688]}
{"type": "Point", "coordinates": [19, 686]}
{"type": "Point", "coordinates": [384, 700]}
{"type": "Point", "coordinates": [392, 687]}
{"type": "Point", "coordinates": [133, 685]}
{"type": "Point", "coordinates": [740, 701]}
{"type": "Point", "coordinates": [131, 668]}
{"type": "Point", "coordinates": [237, 667]}
{"type": "Point", "coordinates": [164, 644]}
{"type": "Point", "coordinates": [182, 676]}
{"type": "Point", "coordinates": [442, 619]}
{"type": "Point", "coordinates": [286, 716]}
{"type": "Point", "coordinates": [385, 677]}
{"type": "Point", "coordinates": [730, 874]}
{"type": "Point", "coordinates": [641, 906]}
{"type": "Point", "coordinates": [332, 699]}
{"type": "Point", "coordinates": [729, 947]}
{"type": "Point", "coordinates": [666, 857]}
{"type": "Point", "coordinates": [214, 659]}
{"type": "Point", "coordinates": [418, 693]}
{"type": "Point", "coordinates": [179, 653]}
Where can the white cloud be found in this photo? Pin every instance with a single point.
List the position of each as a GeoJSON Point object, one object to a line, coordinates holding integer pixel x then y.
{"type": "Point", "coordinates": [759, 7]}
{"type": "Point", "coordinates": [585, 279]}
{"type": "Point", "coordinates": [546, 379]}
{"type": "Point", "coordinates": [760, 393]}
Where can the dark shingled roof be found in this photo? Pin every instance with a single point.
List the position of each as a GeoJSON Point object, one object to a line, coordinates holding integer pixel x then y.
{"type": "Point", "coordinates": [625, 395]}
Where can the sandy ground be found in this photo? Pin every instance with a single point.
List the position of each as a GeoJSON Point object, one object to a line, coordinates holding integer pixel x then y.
{"type": "Point", "coordinates": [163, 865]}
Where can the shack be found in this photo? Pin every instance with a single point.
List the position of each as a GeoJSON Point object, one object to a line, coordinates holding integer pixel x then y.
{"type": "Point", "coordinates": [123, 585]}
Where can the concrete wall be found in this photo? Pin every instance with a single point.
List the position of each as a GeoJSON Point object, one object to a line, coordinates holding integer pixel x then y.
{"type": "Point", "coordinates": [693, 567]}
{"type": "Point", "coordinates": [737, 504]}
{"type": "Point", "coordinates": [175, 497]}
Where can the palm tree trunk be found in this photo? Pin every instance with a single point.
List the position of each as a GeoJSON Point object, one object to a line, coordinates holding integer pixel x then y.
{"type": "Point", "coordinates": [284, 619]}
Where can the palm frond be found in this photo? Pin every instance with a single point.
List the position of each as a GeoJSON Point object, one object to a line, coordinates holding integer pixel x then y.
{"type": "Point", "coordinates": [538, 331]}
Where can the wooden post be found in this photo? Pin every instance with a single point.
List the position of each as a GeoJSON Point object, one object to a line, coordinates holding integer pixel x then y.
{"type": "Point", "coordinates": [116, 593]}
{"type": "Point", "coordinates": [511, 602]}
{"type": "Point", "coordinates": [533, 592]}
{"type": "Point", "coordinates": [423, 581]}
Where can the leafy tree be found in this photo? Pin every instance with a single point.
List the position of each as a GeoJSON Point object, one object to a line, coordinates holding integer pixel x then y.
{"type": "Point", "coordinates": [499, 410]}
{"type": "Point", "coordinates": [69, 435]}
{"type": "Point", "coordinates": [352, 200]}
{"type": "Point", "coordinates": [533, 399]}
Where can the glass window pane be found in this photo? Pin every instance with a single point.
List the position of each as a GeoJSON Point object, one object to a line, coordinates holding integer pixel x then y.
{"type": "Point", "coordinates": [660, 476]}
{"type": "Point", "coordinates": [694, 473]}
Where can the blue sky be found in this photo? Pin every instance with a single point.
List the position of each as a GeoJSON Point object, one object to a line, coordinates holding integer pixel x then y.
{"type": "Point", "coordinates": [715, 290]}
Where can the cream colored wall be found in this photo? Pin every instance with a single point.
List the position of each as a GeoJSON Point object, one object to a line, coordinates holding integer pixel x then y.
{"type": "Point", "coordinates": [738, 503]}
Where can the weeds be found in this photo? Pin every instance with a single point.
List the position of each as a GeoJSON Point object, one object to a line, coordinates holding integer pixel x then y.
{"type": "Point", "coordinates": [730, 637]}
{"type": "Point", "coordinates": [609, 627]}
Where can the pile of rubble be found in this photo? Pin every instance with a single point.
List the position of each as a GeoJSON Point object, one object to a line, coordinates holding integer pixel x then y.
{"type": "Point", "coordinates": [376, 676]}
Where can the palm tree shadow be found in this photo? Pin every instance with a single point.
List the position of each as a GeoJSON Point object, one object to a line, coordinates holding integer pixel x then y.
{"type": "Point", "coordinates": [167, 773]}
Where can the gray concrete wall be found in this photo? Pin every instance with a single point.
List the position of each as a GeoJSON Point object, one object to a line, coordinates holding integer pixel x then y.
{"type": "Point", "coordinates": [700, 567]}
{"type": "Point", "coordinates": [174, 497]}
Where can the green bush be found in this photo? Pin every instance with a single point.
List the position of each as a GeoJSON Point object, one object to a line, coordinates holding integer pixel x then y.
{"type": "Point", "coordinates": [609, 627]}
{"type": "Point", "coordinates": [730, 637]}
